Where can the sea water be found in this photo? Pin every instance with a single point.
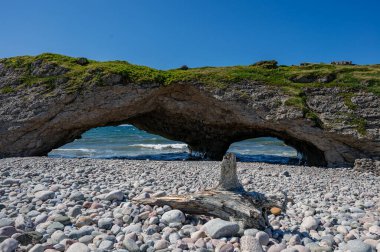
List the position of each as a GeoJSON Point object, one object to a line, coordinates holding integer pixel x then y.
{"type": "Point", "coordinates": [128, 142]}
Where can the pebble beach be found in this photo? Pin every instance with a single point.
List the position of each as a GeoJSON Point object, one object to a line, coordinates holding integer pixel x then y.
{"type": "Point", "coordinates": [75, 205]}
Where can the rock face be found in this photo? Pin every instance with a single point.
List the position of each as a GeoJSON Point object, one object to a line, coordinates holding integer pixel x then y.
{"type": "Point", "coordinates": [367, 165]}
{"type": "Point", "coordinates": [36, 118]}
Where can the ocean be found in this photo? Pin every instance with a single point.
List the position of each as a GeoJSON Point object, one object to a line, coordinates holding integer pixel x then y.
{"type": "Point", "coordinates": [127, 142]}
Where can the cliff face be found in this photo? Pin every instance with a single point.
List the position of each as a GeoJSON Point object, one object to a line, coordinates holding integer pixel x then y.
{"type": "Point", "coordinates": [49, 100]}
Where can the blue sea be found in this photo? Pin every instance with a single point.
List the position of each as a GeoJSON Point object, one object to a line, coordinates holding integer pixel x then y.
{"type": "Point", "coordinates": [128, 142]}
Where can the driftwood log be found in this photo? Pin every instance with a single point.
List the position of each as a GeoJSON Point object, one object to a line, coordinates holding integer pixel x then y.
{"type": "Point", "coordinates": [228, 201]}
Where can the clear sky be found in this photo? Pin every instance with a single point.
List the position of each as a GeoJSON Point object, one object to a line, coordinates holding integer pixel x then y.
{"type": "Point", "coordinates": [169, 33]}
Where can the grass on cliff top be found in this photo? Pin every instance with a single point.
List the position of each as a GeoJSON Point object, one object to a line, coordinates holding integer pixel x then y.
{"type": "Point", "coordinates": [351, 78]}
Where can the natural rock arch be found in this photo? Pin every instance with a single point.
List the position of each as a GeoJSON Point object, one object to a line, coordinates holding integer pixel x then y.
{"type": "Point", "coordinates": [207, 118]}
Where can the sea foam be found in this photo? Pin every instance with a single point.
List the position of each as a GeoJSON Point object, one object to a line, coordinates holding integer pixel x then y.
{"type": "Point", "coordinates": [161, 146]}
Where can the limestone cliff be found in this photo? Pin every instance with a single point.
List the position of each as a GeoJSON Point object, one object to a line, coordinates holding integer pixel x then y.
{"type": "Point", "coordinates": [328, 113]}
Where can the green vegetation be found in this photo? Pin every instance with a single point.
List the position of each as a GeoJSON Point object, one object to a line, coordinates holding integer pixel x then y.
{"type": "Point", "coordinates": [347, 97]}
{"type": "Point", "coordinates": [77, 74]}
{"type": "Point", "coordinates": [360, 124]}
{"type": "Point", "coordinates": [348, 78]}
{"type": "Point", "coordinates": [7, 90]}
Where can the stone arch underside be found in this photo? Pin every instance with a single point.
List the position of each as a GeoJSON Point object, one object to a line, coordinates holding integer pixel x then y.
{"type": "Point", "coordinates": [187, 113]}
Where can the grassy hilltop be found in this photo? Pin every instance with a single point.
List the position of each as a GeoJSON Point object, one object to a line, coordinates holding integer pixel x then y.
{"type": "Point", "coordinates": [292, 79]}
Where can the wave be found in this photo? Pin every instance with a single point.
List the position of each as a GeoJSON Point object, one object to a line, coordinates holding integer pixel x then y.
{"type": "Point", "coordinates": [125, 125]}
{"type": "Point", "coordinates": [79, 149]}
{"type": "Point", "coordinates": [160, 146]}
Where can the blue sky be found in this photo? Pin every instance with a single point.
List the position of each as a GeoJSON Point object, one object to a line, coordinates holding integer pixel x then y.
{"type": "Point", "coordinates": [169, 33]}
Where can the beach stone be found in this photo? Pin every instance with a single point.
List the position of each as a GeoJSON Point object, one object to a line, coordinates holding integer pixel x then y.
{"type": "Point", "coordinates": [11, 181]}
{"type": "Point", "coordinates": [295, 240]}
{"type": "Point", "coordinates": [262, 237]}
{"type": "Point", "coordinates": [310, 223]}
{"type": "Point", "coordinates": [20, 222]}
{"type": "Point", "coordinates": [275, 211]}
{"type": "Point", "coordinates": [84, 221]}
{"type": "Point", "coordinates": [44, 195]}
{"type": "Point", "coordinates": [58, 236]}
{"type": "Point", "coordinates": [174, 216]}
{"type": "Point", "coordinates": [161, 244]}
{"type": "Point", "coordinates": [314, 247]}
{"type": "Point", "coordinates": [76, 196]}
{"type": "Point", "coordinates": [290, 250]}
{"type": "Point", "coordinates": [65, 220]}
{"type": "Point", "coordinates": [37, 248]}
{"type": "Point", "coordinates": [286, 174]}
{"type": "Point", "coordinates": [174, 237]}
{"type": "Point", "coordinates": [40, 218]}
{"type": "Point", "coordinates": [24, 238]}
{"type": "Point", "coordinates": [217, 228]}
{"type": "Point", "coordinates": [6, 222]}
{"type": "Point", "coordinates": [7, 231]}
{"type": "Point", "coordinates": [300, 248]}
{"type": "Point", "coordinates": [198, 234]}
{"type": "Point", "coordinates": [374, 230]}
{"type": "Point", "coordinates": [105, 223]}
{"type": "Point", "coordinates": [59, 247]}
{"type": "Point", "coordinates": [137, 228]}
{"type": "Point", "coordinates": [342, 230]}
{"type": "Point", "coordinates": [131, 245]}
{"type": "Point", "coordinates": [358, 246]}
{"type": "Point", "coordinates": [74, 211]}
{"type": "Point", "coordinates": [56, 225]}
{"type": "Point", "coordinates": [251, 232]}
{"type": "Point", "coordinates": [86, 239]}
{"type": "Point", "coordinates": [250, 244]}
{"type": "Point", "coordinates": [39, 187]}
{"type": "Point", "coordinates": [78, 247]}
{"type": "Point", "coordinates": [277, 247]}
{"type": "Point", "coordinates": [115, 229]}
{"type": "Point", "coordinates": [115, 195]}
{"type": "Point", "coordinates": [372, 243]}
{"type": "Point", "coordinates": [227, 248]}
{"type": "Point", "coordinates": [200, 243]}
{"type": "Point", "coordinates": [9, 245]}
{"type": "Point", "coordinates": [106, 245]}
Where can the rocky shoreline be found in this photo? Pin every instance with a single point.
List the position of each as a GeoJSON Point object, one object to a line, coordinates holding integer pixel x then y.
{"type": "Point", "coordinates": [84, 205]}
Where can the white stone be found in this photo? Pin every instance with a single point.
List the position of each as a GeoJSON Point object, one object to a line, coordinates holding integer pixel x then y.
{"type": "Point", "coordinates": [44, 195]}
{"type": "Point", "coordinates": [115, 195]}
{"type": "Point", "coordinates": [310, 223]}
{"type": "Point", "coordinates": [173, 216]}
{"type": "Point", "coordinates": [8, 245]}
{"type": "Point", "coordinates": [78, 247]}
{"type": "Point", "coordinates": [218, 228]}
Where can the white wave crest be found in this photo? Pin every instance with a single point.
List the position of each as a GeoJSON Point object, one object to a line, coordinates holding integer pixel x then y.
{"type": "Point", "coordinates": [161, 146]}
{"type": "Point", "coordinates": [80, 149]}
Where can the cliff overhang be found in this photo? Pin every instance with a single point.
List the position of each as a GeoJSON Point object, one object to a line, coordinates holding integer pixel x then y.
{"type": "Point", "coordinates": [329, 113]}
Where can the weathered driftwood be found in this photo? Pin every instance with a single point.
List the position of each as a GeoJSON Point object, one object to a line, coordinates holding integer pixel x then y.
{"type": "Point", "coordinates": [228, 201]}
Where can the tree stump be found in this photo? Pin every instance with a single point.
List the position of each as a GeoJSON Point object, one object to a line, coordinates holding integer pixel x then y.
{"type": "Point", "coordinates": [228, 201]}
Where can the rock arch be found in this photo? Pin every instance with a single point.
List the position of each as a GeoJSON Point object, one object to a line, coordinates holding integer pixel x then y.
{"type": "Point", "coordinates": [179, 112]}
{"type": "Point", "coordinates": [207, 118]}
